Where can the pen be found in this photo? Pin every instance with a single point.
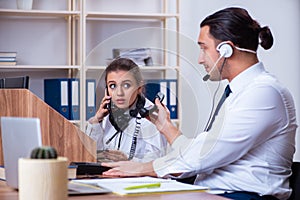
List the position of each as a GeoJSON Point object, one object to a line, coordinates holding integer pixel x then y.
{"type": "Point", "coordinates": [149, 185]}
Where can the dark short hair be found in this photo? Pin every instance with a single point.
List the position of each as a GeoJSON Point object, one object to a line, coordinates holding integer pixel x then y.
{"type": "Point", "coordinates": [236, 25]}
{"type": "Point", "coordinates": [125, 64]}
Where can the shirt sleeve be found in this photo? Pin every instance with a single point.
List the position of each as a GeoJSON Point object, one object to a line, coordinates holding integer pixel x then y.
{"type": "Point", "coordinates": [95, 131]}
{"type": "Point", "coordinates": [242, 125]}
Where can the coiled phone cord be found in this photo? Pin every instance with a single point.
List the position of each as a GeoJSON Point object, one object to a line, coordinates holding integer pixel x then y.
{"type": "Point", "coordinates": [135, 134]}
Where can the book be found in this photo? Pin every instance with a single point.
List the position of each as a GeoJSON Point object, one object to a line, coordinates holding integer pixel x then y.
{"type": "Point", "coordinates": [8, 63]}
{"type": "Point", "coordinates": [8, 54]}
{"type": "Point", "coordinates": [142, 185]}
{"type": "Point", "coordinates": [72, 170]}
{"type": "Point", "coordinates": [8, 59]}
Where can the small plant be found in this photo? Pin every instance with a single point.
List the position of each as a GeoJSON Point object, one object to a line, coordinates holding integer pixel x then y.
{"type": "Point", "coordinates": [44, 152]}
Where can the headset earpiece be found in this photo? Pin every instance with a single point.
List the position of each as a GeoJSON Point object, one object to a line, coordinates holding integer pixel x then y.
{"type": "Point", "coordinates": [225, 49]}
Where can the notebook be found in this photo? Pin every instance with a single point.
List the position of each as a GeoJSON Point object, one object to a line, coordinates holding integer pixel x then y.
{"type": "Point", "coordinates": [19, 137]}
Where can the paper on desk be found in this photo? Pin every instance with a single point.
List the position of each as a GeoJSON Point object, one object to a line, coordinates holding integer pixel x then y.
{"type": "Point", "coordinates": [118, 185]}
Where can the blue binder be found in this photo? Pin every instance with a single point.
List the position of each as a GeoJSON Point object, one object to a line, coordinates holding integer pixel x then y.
{"type": "Point", "coordinates": [56, 95]}
{"type": "Point", "coordinates": [74, 98]}
{"type": "Point", "coordinates": [166, 86]}
{"type": "Point", "coordinates": [173, 98]}
{"type": "Point", "coordinates": [90, 98]}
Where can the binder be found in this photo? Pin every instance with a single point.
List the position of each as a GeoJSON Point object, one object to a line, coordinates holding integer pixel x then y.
{"type": "Point", "coordinates": [172, 98]}
{"type": "Point", "coordinates": [74, 100]}
{"type": "Point", "coordinates": [90, 98]}
{"type": "Point", "coordinates": [57, 96]}
{"type": "Point", "coordinates": [166, 86]}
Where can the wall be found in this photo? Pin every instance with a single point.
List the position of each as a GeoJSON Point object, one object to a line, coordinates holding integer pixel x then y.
{"type": "Point", "coordinates": [283, 18]}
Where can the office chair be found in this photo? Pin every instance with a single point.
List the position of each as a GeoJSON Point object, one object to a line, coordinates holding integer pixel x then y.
{"type": "Point", "coordinates": [15, 82]}
{"type": "Point", "coordinates": [295, 181]}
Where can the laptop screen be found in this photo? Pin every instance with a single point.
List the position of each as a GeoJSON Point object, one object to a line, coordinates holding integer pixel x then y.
{"type": "Point", "coordinates": [19, 137]}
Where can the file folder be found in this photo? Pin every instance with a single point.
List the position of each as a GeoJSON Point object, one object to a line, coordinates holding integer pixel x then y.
{"type": "Point", "coordinates": [166, 86]}
{"type": "Point", "coordinates": [74, 100]}
{"type": "Point", "coordinates": [90, 98]}
{"type": "Point", "coordinates": [57, 96]}
{"type": "Point", "coordinates": [172, 98]}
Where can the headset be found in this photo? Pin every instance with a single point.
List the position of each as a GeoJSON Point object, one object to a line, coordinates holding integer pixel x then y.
{"type": "Point", "coordinates": [225, 50]}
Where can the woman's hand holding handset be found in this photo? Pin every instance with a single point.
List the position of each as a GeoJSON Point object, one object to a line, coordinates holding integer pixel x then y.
{"type": "Point", "coordinates": [102, 111]}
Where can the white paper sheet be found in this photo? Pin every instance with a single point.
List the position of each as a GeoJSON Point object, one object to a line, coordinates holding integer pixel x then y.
{"type": "Point", "coordinates": [118, 185]}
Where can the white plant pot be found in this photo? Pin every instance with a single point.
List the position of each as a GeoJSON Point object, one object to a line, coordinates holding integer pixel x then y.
{"type": "Point", "coordinates": [24, 4]}
{"type": "Point", "coordinates": [43, 179]}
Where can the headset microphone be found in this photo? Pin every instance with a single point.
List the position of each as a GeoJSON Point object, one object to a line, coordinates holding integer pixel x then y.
{"type": "Point", "coordinates": [207, 76]}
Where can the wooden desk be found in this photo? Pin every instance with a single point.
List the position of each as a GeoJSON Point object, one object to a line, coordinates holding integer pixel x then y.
{"type": "Point", "coordinates": [7, 193]}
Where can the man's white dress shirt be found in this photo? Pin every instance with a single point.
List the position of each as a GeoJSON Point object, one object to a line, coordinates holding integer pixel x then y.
{"type": "Point", "coordinates": [251, 144]}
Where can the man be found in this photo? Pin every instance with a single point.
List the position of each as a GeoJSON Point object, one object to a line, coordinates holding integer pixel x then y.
{"type": "Point", "coordinates": [247, 152]}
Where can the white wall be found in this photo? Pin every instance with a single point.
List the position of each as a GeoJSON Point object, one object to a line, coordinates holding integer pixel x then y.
{"type": "Point", "coordinates": [283, 59]}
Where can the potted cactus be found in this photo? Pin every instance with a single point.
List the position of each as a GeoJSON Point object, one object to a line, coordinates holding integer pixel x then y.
{"type": "Point", "coordinates": [44, 152]}
{"type": "Point", "coordinates": [43, 175]}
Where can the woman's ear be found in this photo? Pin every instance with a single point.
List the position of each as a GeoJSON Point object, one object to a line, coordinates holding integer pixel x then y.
{"type": "Point", "coordinates": [140, 89]}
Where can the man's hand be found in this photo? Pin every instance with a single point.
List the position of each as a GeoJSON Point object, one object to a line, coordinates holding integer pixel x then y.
{"type": "Point", "coordinates": [161, 119]}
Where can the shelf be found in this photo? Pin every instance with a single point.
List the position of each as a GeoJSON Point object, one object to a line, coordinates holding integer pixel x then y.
{"type": "Point", "coordinates": [38, 67]}
{"type": "Point", "coordinates": [145, 68]}
{"type": "Point", "coordinates": [78, 33]}
{"type": "Point", "coordinates": [38, 13]}
{"type": "Point", "coordinates": [111, 15]}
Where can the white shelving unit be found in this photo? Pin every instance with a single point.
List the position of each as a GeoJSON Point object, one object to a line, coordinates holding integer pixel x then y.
{"type": "Point", "coordinates": [80, 38]}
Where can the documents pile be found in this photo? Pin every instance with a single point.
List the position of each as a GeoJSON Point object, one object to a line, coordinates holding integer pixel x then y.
{"type": "Point", "coordinates": [141, 56]}
{"type": "Point", "coordinates": [139, 185]}
{"type": "Point", "coordinates": [8, 58]}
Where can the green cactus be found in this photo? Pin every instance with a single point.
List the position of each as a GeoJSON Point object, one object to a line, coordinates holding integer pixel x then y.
{"type": "Point", "coordinates": [44, 152]}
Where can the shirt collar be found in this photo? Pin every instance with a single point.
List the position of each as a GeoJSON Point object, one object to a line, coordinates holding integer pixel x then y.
{"type": "Point", "coordinates": [246, 77]}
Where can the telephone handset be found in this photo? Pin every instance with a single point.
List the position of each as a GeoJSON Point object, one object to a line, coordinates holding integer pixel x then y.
{"type": "Point", "coordinates": [120, 119]}
{"type": "Point", "coordinates": [117, 117]}
{"type": "Point", "coordinates": [145, 112]}
{"type": "Point", "coordinates": [108, 106]}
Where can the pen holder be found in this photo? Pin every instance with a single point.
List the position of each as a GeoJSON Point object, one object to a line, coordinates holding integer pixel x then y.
{"type": "Point", "coordinates": [45, 179]}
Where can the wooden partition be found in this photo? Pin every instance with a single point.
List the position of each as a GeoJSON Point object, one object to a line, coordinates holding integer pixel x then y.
{"type": "Point", "coordinates": [56, 130]}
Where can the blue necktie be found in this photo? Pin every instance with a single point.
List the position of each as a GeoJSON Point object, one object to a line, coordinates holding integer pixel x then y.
{"type": "Point", "coordinates": [223, 98]}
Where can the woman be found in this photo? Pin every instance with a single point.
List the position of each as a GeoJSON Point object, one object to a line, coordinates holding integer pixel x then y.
{"type": "Point", "coordinates": [120, 131]}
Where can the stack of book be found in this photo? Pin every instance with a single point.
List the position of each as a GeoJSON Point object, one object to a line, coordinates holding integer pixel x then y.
{"type": "Point", "coordinates": [72, 171]}
{"type": "Point", "coordinates": [141, 56]}
{"type": "Point", "coordinates": [8, 58]}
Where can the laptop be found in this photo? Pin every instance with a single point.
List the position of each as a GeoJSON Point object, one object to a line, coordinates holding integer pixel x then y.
{"type": "Point", "coordinates": [19, 137]}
